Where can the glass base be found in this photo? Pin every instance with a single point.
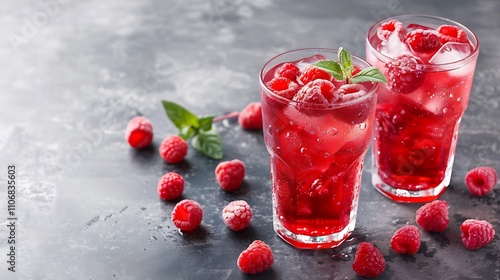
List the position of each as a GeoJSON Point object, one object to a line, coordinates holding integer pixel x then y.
{"type": "Point", "coordinates": [313, 242]}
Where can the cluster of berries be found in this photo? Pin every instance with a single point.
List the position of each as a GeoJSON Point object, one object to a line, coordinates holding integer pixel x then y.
{"type": "Point", "coordinates": [187, 214]}
{"type": "Point", "coordinates": [432, 217]}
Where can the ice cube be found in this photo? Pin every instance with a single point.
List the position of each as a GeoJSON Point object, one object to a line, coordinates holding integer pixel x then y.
{"type": "Point", "coordinates": [393, 46]}
{"type": "Point", "coordinates": [451, 52]}
{"type": "Point", "coordinates": [308, 61]}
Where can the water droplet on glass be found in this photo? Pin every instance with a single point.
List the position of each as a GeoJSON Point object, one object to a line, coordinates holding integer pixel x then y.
{"type": "Point", "coordinates": [291, 122]}
{"type": "Point", "coordinates": [362, 126]}
{"type": "Point", "coordinates": [459, 99]}
{"type": "Point", "coordinates": [332, 131]}
{"type": "Point", "coordinates": [303, 150]}
{"type": "Point", "coordinates": [327, 155]}
{"type": "Point", "coordinates": [445, 110]}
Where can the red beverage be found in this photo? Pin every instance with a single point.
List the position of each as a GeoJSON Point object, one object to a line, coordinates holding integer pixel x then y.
{"type": "Point", "coordinates": [316, 149]}
{"type": "Point", "coordinates": [429, 63]}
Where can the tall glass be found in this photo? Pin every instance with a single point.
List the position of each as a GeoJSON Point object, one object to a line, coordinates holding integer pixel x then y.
{"type": "Point", "coordinates": [419, 109]}
{"type": "Point", "coordinates": [316, 157]}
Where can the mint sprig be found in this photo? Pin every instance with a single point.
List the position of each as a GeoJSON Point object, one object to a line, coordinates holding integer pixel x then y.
{"type": "Point", "coordinates": [343, 68]}
{"type": "Point", "coordinates": [204, 136]}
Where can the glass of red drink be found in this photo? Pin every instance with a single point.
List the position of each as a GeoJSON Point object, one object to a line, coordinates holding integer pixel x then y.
{"type": "Point", "coordinates": [317, 130]}
{"type": "Point", "coordinates": [429, 64]}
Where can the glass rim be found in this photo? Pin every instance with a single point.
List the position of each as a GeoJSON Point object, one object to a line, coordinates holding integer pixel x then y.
{"type": "Point", "coordinates": [439, 66]}
{"type": "Point", "coordinates": [370, 92]}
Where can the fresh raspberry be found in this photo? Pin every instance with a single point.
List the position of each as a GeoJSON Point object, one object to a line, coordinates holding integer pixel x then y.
{"type": "Point", "coordinates": [368, 261]}
{"type": "Point", "coordinates": [283, 87]}
{"type": "Point", "coordinates": [139, 133]}
{"type": "Point", "coordinates": [287, 70]}
{"type": "Point", "coordinates": [187, 215]}
{"type": "Point", "coordinates": [404, 73]}
{"type": "Point", "coordinates": [312, 73]}
{"type": "Point", "coordinates": [230, 174]}
{"type": "Point", "coordinates": [481, 180]}
{"type": "Point", "coordinates": [476, 233]}
{"type": "Point", "coordinates": [251, 116]}
{"type": "Point", "coordinates": [237, 215]}
{"type": "Point", "coordinates": [450, 33]}
{"type": "Point", "coordinates": [170, 186]}
{"type": "Point", "coordinates": [423, 40]}
{"type": "Point", "coordinates": [318, 91]}
{"type": "Point", "coordinates": [406, 240]}
{"type": "Point", "coordinates": [173, 149]}
{"type": "Point", "coordinates": [433, 216]}
{"type": "Point", "coordinates": [351, 91]}
{"type": "Point", "coordinates": [387, 28]}
{"type": "Point", "coordinates": [257, 258]}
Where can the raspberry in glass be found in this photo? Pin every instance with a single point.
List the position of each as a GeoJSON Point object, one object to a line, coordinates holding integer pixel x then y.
{"type": "Point", "coordinates": [318, 91]}
{"type": "Point", "coordinates": [283, 87]}
{"type": "Point", "coordinates": [481, 180]}
{"type": "Point", "coordinates": [187, 215]}
{"type": "Point", "coordinates": [423, 40]}
{"type": "Point", "coordinates": [288, 70]}
{"type": "Point", "coordinates": [230, 174]}
{"type": "Point", "coordinates": [237, 215]}
{"type": "Point", "coordinates": [257, 258]}
{"type": "Point", "coordinates": [139, 133]}
{"type": "Point", "coordinates": [170, 186]}
{"type": "Point", "coordinates": [312, 73]}
{"type": "Point", "coordinates": [450, 33]}
{"type": "Point", "coordinates": [387, 28]}
{"type": "Point", "coordinates": [476, 233]}
{"type": "Point", "coordinates": [173, 149]}
{"type": "Point", "coordinates": [433, 216]}
{"type": "Point", "coordinates": [404, 73]}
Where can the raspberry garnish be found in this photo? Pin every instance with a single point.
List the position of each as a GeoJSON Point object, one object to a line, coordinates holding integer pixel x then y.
{"type": "Point", "coordinates": [312, 73]}
{"type": "Point", "coordinates": [318, 91]}
{"type": "Point", "coordinates": [287, 70]}
{"type": "Point", "coordinates": [230, 174]}
{"type": "Point", "coordinates": [237, 215]}
{"type": "Point", "coordinates": [257, 258]}
{"type": "Point", "coordinates": [251, 116]}
{"type": "Point", "coordinates": [433, 216]}
{"type": "Point", "coordinates": [406, 240]}
{"type": "Point", "coordinates": [423, 40]}
{"type": "Point", "coordinates": [476, 233]}
{"type": "Point", "coordinates": [187, 215]}
{"type": "Point", "coordinates": [481, 180]}
{"type": "Point", "coordinates": [170, 186]}
{"type": "Point", "coordinates": [404, 73]}
{"type": "Point", "coordinates": [139, 133]}
{"type": "Point", "coordinates": [351, 91]}
{"type": "Point", "coordinates": [368, 261]}
{"type": "Point", "coordinates": [173, 149]}
{"type": "Point", "coordinates": [387, 28]}
{"type": "Point", "coordinates": [283, 87]}
{"type": "Point", "coordinates": [450, 33]}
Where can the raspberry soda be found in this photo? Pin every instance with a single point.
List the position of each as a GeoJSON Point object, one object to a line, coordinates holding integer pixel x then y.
{"type": "Point", "coordinates": [317, 144]}
{"type": "Point", "coordinates": [429, 63]}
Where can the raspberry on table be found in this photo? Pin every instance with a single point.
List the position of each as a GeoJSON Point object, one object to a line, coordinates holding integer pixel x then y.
{"type": "Point", "coordinates": [387, 28]}
{"type": "Point", "coordinates": [450, 33]}
{"type": "Point", "coordinates": [423, 40]}
{"type": "Point", "coordinates": [476, 233]}
{"type": "Point", "coordinates": [187, 215]}
{"type": "Point", "coordinates": [283, 87]}
{"type": "Point", "coordinates": [312, 73]}
{"type": "Point", "coordinates": [170, 186]}
{"type": "Point", "coordinates": [288, 70]}
{"type": "Point", "coordinates": [237, 215]}
{"type": "Point", "coordinates": [257, 258]}
{"type": "Point", "coordinates": [230, 174]}
{"type": "Point", "coordinates": [139, 133]}
{"type": "Point", "coordinates": [173, 149]}
{"type": "Point", "coordinates": [318, 91]}
{"type": "Point", "coordinates": [368, 261]}
{"type": "Point", "coordinates": [406, 240]}
{"type": "Point", "coordinates": [433, 216]}
{"type": "Point", "coordinates": [481, 180]}
{"type": "Point", "coordinates": [404, 73]}
{"type": "Point", "coordinates": [251, 116]}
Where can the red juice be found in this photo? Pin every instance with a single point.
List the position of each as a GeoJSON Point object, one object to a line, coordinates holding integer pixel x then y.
{"type": "Point", "coordinates": [420, 108]}
{"type": "Point", "coordinates": [316, 157]}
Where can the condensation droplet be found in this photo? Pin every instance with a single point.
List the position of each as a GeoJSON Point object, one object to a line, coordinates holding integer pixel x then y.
{"type": "Point", "coordinates": [332, 131]}
{"type": "Point", "coordinates": [362, 126]}
{"type": "Point", "coordinates": [303, 150]}
{"type": "Point", "coordinates": [327, 155]}
{"type": "Point", "coordinates": [445, 110]}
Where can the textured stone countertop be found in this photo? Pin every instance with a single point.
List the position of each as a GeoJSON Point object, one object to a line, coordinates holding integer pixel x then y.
{"type": "Point", "coordinates": [75, 72]}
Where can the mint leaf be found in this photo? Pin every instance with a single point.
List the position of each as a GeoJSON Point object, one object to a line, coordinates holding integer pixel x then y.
{"type": "Point", "coordinates": [370, 74]}
{"type": "Point", "coordinates": [180, 116]}
{"type": "Point", "coordinates": [209, 143]}
{"type": "Point", "coordinates": [345, 63]}
{"type": "Point", "coordinates": [186, 132]}
{"type": "Point", "coordinates": [331, 67]}
{"type": "Point", "coordinates": [206, 123]}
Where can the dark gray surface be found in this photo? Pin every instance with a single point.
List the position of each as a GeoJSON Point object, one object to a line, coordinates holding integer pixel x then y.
{"type": "Point", "coordinates": [87, 204]}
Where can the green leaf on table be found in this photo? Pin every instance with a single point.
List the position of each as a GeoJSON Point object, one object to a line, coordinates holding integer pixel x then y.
{"type": "Point", "coordinates": [370, 74]}
{"type": "Point", "coordinates": [179, 115]}
{"type": "Point", "coordinates": [332, 67]}
{"type": "Point", "coordinates": [209, 143]}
